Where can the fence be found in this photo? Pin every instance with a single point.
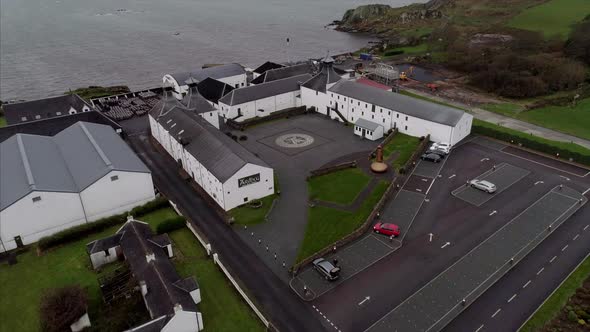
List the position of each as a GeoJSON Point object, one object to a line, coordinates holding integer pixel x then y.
{"type": "Point", "coordinates": [386, 140]}
{"type": "Point", "coordinates": [331, 169]}
{"type": "Point", "coordinates": [419, 151]}
{"type": "Point", "coordinates": [228, 275]}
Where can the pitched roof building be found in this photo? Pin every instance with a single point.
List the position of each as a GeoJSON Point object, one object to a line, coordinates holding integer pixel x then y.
{"type": "Point", "coordinates": [284, 72]}
{"type": "Point", "coordinates": [45, 108]}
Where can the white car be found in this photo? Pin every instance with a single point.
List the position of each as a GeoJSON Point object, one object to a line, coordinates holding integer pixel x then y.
{"type": "Point", "coordinates": [440, 148]}
{"type": "Point", "coordinates": [443, 145]}
{"type": "Point", "coordinates": [483, 185]}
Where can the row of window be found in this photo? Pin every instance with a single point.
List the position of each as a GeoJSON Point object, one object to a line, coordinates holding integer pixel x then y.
{"type": "Point", "coordinates": [38, 198]}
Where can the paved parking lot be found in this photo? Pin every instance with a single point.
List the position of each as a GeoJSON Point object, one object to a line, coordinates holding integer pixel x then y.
{"type": "Point", "coordinates": [503, 176]}
{"type": "Point", "coordinates": [353, 259]}
{"type": "Point", "coordinates": [418, 184]}
{"type": "Point", "coordinates": [489, 143]}
{"type": "Point", "coordinates": [439, 301]}
{"type": "Point", "coordinates": [402, 210]}
{"type": "Point", "coordinates": [428, 169]}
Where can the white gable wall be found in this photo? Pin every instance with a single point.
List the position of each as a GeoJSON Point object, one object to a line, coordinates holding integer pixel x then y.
{"type": "Point", "coordinates": [268, 106]}
{"type": "Point", "coordinates": [236, 195]}
{"type": "Point", "coordinates": [106, 197]}
{"type": "Point", "coordinates": [236, 81]}
{"type": "Point", "coordinates": [31, 221]}
{"type": "Point", "coordinates": [212, 117]}
{"type": "Point", "coordinates": [462, 129]}
{"type": "Point", "coordinates": [314, 98]}
{"type": "Point", "coordinates": [183, 321]}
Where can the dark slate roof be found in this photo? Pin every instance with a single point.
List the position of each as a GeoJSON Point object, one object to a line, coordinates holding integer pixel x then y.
{"type": "Point", "coordinates": [45, 108]}
{"type": "Point", "coordinates": [366, 124]}
{"type": "Point", "coordinates": [103, 244]}
{"type": "Point", "coordinates": [161, 240]}
{"type": "Point", "coordinates": [264, 90]}
{"type": "Point", "coordinates": [221, 155]}
{"type": "Point", "coordinates": [267, 66]}
{"type": "Point", "coordinates": [326, 76]}
{"type": "Point", "coordinates": [187, 284]}
{"type": "Point", "coordinates": [155, 325]}
{"type": "Point", "coordinates": [196, 102]}
{"type": "Point", "coordinates": [52, 126]}
{"type": "Point", "coordinates": [213, 89]}
{"type": "Point", "coordinates": [400, 103]}
{"type": "Point", "coordinates": [159, 274]}
{"type": "Point", "coordinates": [217, 72]}
{"type": "Point", "coordinates": [280, 73]}
{"type": "Point", "coordinates": [68, 162]}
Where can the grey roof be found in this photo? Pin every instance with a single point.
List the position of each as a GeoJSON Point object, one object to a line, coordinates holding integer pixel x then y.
{"type": "Point", "coordinates": [221, 155]}
{"type": "Point", "coordinates": [196, 102]}
{"type": "Point", "coordinates": [161, 240]}
{"type": "Point", "coordinates": [217, 72]}
{"type": "Point", "coordinates": [103, 244]}
{"type": "Point", "coordinates": [264, 90]}
{"type": "Point", "coordinates": [213, 89]}
{"type": "Point", "coordinates": [366, 124]}
{"type": "Point", "coordinates": [267, 66]}
{"type": "Point", "coordinates": [155, 325]}
{"type": "Point", "coordinates": [280, 73]}
{"type": "Point", "coordinates": [44, 108]}
{"type": "Point", "coordinates": [159, 274]}
{"type": "Point", "coordinates": [187, 284]}
{"type": "Point", "coordinates": [68, 162]}
{"type": "Point", "coordinates": [400, 103]}
{"type": "Point", "coordinates": [326, 76]}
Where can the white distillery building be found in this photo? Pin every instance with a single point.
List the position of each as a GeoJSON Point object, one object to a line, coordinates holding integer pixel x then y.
{"type": "Point", "coordinates": [232, 74]}
{"type": "Point", "coordinates": [262, 99]}
{"type": "Point", "coordinates": [84, 173]}
{"type": "Point", "coordinates": [226, 171]}
{"type": "Point", "coordinates": [45, 108]}
{"type": "Point", "coordinates": [313, 92]}
{"type": "Point", "coordinates": [195, 102]}
{"type": "Point", "coordinates": [352, 101]}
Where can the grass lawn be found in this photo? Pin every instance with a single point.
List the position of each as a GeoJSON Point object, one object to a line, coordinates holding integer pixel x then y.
{"type": "Point", "coordinates": [246, 215]}
{"type": "Point", "coordinates": [222, 307]}
{"type": "Point", "coordinates": [2, 121]}
{"type": "Point", "coordinates": [553, 305]}
{"type": "Point", "coordinates": [564, 145]}
{"type": "Point", "coordinates": [413, 95]}
{"type": "Point", "coordinates": [23, 284]}
{"type": "Point", "coordinates": [339, 187]}
{"type": "Point", "coordinates": [571, 120]}
{"type": "Point", "coordinates": [553, 18]}
{"type": "Point", "coordinates": [405, 144]}
{"type": "Point", "coordinates": [326, 226]}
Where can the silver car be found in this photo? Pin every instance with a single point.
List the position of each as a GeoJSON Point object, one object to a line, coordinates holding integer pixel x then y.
{"type": "Point", "coordinates": [483, 185]}
{"type": "Point", "coordinates": [327, 269]}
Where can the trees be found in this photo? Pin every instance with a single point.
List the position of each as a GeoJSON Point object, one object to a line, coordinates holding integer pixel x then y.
{"type": "Point", "coordinates": [578, 45]}
{"type": "Point", "coordinates": [61, 307]}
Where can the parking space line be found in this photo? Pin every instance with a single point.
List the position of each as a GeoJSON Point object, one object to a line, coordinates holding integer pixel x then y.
{"type": "Point", "coordinates": [452, 176]}
{"type": "Point", "coordinates": [479, 328]}
{"type": "Point", "coordinates": [552, 259]}
{"type": "Point", "coordinates": [587, 190]}
{"type": "Point", "coordinates": [541, 271]}
{"type": "Point", "coordinates": [527, 283]}
{"type": "Point", "coordinates": [576, 237]}
{"type": "Point", "coordinates": [512, 298]}
{"type": "Point", "coordinates": [497, 312]}
{"type": "Point", "coordinates": [586, 227]}
{"type": "Point", "coordinates": [539, 163]}
{"type": "Point", "coordinates": [563, 249]}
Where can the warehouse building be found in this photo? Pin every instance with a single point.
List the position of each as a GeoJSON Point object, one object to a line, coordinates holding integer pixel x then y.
{"type": "Point", "coordinates": [351, 101]}
{"type": "Point", "coordinates": [262, 99]}
{"type": "Point", "coordinates": [86, 167]}
{"type": "Point", "coordinates": [232, 74]}
{"type": "Point", "coordinates": [224, 169]}
{"type": "Point", "coordinates": [45, 108]}
{"type": "Point", "coordinates": [313, 92]}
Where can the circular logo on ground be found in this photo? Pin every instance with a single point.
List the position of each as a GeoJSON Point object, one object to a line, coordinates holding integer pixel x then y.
{"type": "Point", "coordinates": [294, 140]}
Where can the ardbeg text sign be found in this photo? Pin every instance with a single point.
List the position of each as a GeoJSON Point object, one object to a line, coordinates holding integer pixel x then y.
{"type": "Point", "coordinates": [249, 180]}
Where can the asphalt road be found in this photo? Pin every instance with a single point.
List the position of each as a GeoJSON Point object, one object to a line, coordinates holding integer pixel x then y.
{"type": "Point", "coordinates": [277, 301]}
{"type": "Point", "coordinates": [452, 220]}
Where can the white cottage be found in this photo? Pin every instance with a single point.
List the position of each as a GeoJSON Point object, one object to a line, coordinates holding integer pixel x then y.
{"type": "Point", "coordinates": [232, 74]}
{"type": "Point", "coordinates": [352, 101]}
{"type": "Point", "coordinates": [79, 168]}
{"type": "Point", "coordinates": [226, 171]}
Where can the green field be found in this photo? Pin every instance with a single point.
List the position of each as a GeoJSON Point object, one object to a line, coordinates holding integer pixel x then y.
{"type": "Point", "coordinates": [571, 120]}
{"type": "Point", "coordinates": [326, 226]}
{"type": "Point", "coordinates": [553, 18]}
{"type": "Point", "coordinates": [2, 121]}
{"type": "Point", "coordinates": [404, 144]}
{"type": "Point", "coordinates": [23, 284]}
{"type": "Point", "coordinates": [339, 187]}
{"type": "Point", "coordinates": [247, 215]}
{"type": "Point", "coordinates": [557, 301]}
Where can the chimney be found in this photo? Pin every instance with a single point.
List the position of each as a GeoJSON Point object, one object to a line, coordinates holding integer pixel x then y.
{"type": "Point", "coordinates": [143, 287]}
{"type": "Point", "coordinates": [150, 257]}
{"type": "Point", "coordinates": [177, 307]}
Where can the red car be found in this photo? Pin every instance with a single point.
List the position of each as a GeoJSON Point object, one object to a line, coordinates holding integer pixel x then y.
{"type": "Point", "coordinates": [387, 229]}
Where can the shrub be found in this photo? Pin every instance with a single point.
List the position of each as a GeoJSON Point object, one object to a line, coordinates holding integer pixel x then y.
{"type": "Point", "coordinates": [80, 231]}
{"type": "Point", "coordinates": [61, 307]}
{"type": "Point", "coordinates": [393, 52]}
{"type": "Point", "coordinates": [243, 138]}
{"type": "Point", "coordinates": [171, 224]}
{"type": "Point", "coordinates": [571, 315]}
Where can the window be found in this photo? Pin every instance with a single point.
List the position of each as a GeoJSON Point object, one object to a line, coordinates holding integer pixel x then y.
{"type": "Point", "coordinates": [245, 199]}
{"type": "Point", "coordinates": [398, 116]}
{"type": "Point", "coordinates": [332, 94]}
{"type": "Point", "coordinates": [106, 252]}
{"type": "Point", "coordinates": [388, 112]}
{"type": "Point", "coordinates": [169, 120]}
{"type": "Point", "coordinates": [359, 103]}
{"type": "Point", "coordinates": [338, 97]}
{"type": "Point", "coordinates": [36, 199]}
{"type": "Point", "coordinates": [344, 98]}
{"type": "Point", "coordinates": [330, 102]}
{"type": "Point", "coordinates": [366, 105]}
{"type": "Point", "coordinates": [362, 113]}
{"type": "Point", "coordinates": [57, 113]}
{"type": "Point", "coordinates": [242, 83]}
{"type": "Point", "coordinates": [372, 116]}
{"type": "Point", "coordinates": [114, 178]}
{"type": "Point", "coordinates": [406, 127]}
{"type": "Point", "coordinates": [24, 118]}
{"type": "Point", "coordinates": [316, 93]}
{"type": "Point", "coordinates": [383, 120]}
{"type": "Point", "coordinates": [237, 85]}
{"type": "Point", "coordinates": [406, 118]}
{"type": "Point", "coordinates": [180, 132]}
{"type": "Point", "coordinates": [37, 116]}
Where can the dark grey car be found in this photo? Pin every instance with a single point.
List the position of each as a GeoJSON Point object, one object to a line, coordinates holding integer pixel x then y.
{"type": "Point", "coordinates": [431, 157]}
{"type": "Point", "coordinates": [327, 269]}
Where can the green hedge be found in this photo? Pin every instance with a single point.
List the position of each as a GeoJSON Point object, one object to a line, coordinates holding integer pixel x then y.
{"type": "Point", "coordinates": [80, 231]}
{"type": "Point", "coordinates": [577, 154]}
{"type": "Point", "coordinates": [393, 52]}
{"type": "Point", "coordinates": [171, 224]}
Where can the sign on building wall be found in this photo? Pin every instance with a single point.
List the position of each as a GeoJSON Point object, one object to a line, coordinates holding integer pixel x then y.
{"type": "Point", "coordinates": [249, 180]}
